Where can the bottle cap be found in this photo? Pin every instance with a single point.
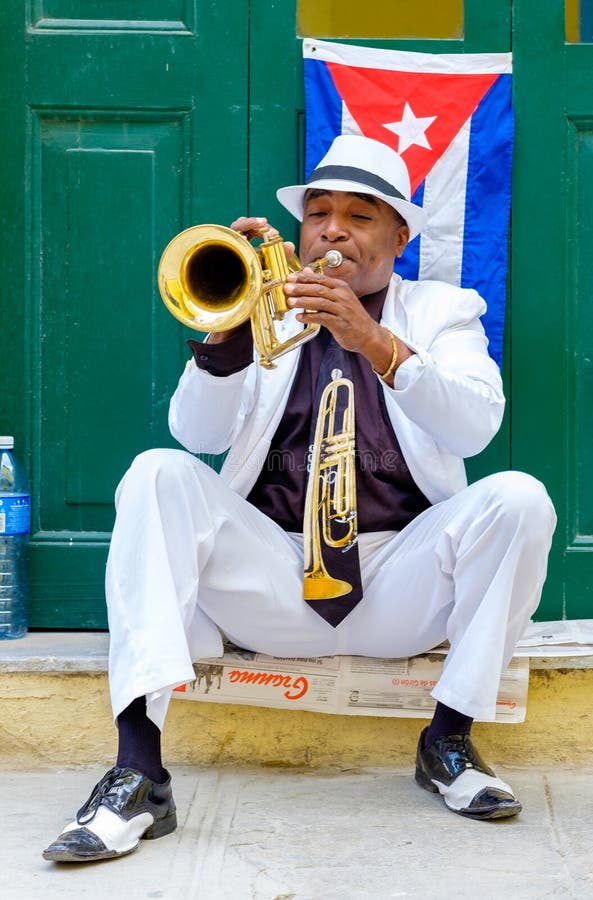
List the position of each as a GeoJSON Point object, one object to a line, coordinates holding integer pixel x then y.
{"type": "Point", "coordinates": [6, 442]}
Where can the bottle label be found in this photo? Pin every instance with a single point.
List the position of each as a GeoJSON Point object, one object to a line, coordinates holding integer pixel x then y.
{"type": "Point", "coordinates": [15, 514]}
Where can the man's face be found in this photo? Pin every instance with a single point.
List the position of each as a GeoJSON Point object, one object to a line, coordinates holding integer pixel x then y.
{"type": "Point", "coordinates": [364, 229]}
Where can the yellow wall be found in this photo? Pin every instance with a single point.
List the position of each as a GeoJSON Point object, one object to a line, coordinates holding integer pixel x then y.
{"type": "Point", "coordinates": [571, 15]}
{"type": "Point", "coordinates": [65, 720]}
{"type": "Point", "coordinates": [381, 19]}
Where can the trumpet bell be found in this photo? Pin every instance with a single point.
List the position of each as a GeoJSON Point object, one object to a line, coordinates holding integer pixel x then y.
{"type": "Point", "coordinates": [319, 585]}
{"type": "Point", "coordinates": [210, 278]}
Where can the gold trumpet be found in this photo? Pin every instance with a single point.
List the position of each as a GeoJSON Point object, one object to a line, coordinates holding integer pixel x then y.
{"type": "Point", "coordinates": [331, 490]}
{"type": "Point", "coordinates": [212, 279]}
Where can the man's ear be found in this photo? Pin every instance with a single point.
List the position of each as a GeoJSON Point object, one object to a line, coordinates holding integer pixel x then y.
{"type": "Point", "coordinates": [401, 241]}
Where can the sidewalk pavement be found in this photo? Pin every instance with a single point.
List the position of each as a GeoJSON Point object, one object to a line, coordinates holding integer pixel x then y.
{"type": "Point", "coordinates": [283, 834]}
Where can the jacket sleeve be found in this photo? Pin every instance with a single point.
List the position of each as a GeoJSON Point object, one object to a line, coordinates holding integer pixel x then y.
{"type": "Point", "coordinates": [207, 411]}
{"type": "Point", "coordinates": [451, 388]}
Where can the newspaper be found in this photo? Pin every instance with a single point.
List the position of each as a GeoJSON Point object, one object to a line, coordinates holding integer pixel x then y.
{"type": "Point", "coordinates": [572, 637]}
{"type": "Point", "coordinates": [344, 685]}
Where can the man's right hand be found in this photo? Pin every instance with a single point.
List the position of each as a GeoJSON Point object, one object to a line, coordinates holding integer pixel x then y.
{"type": "Point", "coordinates": [253, 226]}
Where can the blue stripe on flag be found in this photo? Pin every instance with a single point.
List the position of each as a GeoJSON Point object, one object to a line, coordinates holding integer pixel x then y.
{"type": "Point", "coordinates": [488, 198]}
{"type": "Point", "coordinates": [324, 112]}
{"type": "Point", "coordinates": [409, 264]}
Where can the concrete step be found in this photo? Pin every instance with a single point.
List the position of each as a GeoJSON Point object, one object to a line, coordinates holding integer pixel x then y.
{"type": "Point", "coordinates": [55, 711]}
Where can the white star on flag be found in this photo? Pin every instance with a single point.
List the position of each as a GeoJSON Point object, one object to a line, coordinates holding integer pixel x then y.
{"type": "Point", "coordinates": [411, 130]}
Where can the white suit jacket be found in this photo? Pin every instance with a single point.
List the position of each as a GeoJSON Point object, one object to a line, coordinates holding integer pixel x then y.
{"type": "Point", "coordinates": [447, 402]}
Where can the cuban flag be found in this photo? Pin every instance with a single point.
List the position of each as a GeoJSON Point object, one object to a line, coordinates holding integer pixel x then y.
{"type": "Point", "coordinates": [450, 118]}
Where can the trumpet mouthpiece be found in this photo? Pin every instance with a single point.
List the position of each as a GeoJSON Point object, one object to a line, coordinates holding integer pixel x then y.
{"type": "Point", "coordinates": [334, 258]}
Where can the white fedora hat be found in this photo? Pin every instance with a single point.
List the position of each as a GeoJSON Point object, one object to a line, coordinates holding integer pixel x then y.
{"type": "Point", "coordinates": [358, 164]}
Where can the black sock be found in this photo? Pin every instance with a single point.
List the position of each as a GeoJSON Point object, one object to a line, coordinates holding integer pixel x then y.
{"type": "Point", "coordinates": [445, 722]}
{"type": "Point", "coordinates": [140, 742]}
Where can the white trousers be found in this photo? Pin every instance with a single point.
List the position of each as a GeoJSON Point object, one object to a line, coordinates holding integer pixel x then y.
{"type": "Point", "coordinates": [190, 559]}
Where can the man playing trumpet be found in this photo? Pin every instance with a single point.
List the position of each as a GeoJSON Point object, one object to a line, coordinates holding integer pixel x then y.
{"type": "Point", "coordinates": [196, 555]}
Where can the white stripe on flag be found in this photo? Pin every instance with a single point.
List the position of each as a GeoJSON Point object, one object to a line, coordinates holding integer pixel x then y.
{"type": "Point", "coordinates": [407, 61]}
{"type": "Point", "coordinates": [441, 241]}
{"type": "Point", "coordinates": [349, 124]}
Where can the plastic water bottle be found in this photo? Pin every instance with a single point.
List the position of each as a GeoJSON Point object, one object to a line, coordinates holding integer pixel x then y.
{"type": "Point", "coordinates": [15, 524]}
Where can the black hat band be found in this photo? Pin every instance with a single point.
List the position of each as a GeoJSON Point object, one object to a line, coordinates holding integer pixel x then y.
{"type": "Point", "coordinates": [361, 176]}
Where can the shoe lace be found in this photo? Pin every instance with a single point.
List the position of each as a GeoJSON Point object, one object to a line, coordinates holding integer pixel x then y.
{"type": "Point", "coordinates": [460, 749]}
{"type": "Point", "coordinates": [102, 790]}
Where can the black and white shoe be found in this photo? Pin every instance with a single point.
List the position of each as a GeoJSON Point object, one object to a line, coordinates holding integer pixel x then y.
{"type": "Point", "coordinates": [124, 807]}
{"type": "Point", "coordinates": [453, 767]}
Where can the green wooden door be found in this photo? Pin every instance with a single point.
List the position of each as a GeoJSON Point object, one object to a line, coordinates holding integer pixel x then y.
{"type": "Point", "coordinates": [548, 363]}
{"type": "Point", "coordinates": [128, 123]}
{"type": "Point", "coordinates": [552, 313]}
{"type": "Point", "coordinates": [124, 129]}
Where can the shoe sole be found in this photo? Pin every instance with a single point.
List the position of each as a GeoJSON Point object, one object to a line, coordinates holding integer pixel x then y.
{"type": "Point", "coordinates": [158, 829]}
{"type": "Point", "coordinates": [494, 812]}
{"type": "Point", "coordinates": [65, 856]}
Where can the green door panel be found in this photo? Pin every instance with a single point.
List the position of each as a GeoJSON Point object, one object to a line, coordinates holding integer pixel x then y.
{"type": "Point", "coordinates": [134, 128]}
{"type": "Point", "coordinates": [104, 370]}
{"type": "Point", "coordinates": [552, 319]}
{"type": "Point", "coordinates": [113, 14]}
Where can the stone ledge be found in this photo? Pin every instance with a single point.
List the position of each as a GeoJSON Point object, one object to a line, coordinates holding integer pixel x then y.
{"type": "Point", "coordinates": [56, 651]}
{"type": "Point", "coordinates": [87, 651]}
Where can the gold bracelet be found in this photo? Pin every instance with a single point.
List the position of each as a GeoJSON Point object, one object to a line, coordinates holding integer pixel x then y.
{"type": "Point", "coordinates": [391, 368]}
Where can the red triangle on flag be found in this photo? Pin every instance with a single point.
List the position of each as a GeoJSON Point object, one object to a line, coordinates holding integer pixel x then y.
{"type": "Point", "coordinates": [378, 97]}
